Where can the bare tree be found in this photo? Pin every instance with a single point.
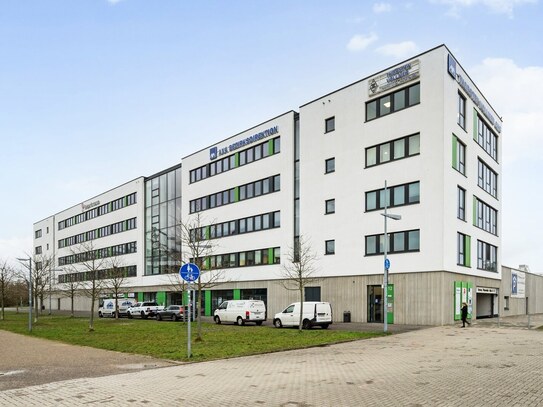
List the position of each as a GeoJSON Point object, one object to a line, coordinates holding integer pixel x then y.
{"type": "Point", "coordinates": [299, 269]}
{"type": "Point", "coordinates": [42, 276]}
{"type": "Point", "coordinates": [6, 276]}
{"type": "Point", "coordinates": [198, 247]}
{"type": "Point", "coordinates": [116, 279]}
{"type": "Point", "coordinates": [69, 288]}
{"type": "Point", "coordinates": [93, 263]}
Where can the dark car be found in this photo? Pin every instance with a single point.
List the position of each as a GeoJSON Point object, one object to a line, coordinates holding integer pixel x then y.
{"type": "Point", "coordinates": [173, 312]}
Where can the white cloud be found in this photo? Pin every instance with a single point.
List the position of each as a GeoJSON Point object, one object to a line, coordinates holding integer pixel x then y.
{"type": "Point", "coordinates": [12, 248]}
{"type": "Point", "coordinates": [361, 42]}
{"type": "Point", "coordinates": [515, 92]}
{"type": "Point", "coordinates": [495, 6]}
{"type": "Point", "coordinates": [398, 50]}
{"type": "Point", "coordinates": [381, 8]}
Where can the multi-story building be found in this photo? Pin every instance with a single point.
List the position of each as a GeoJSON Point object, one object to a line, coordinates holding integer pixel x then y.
{"type": "Point", "coordinates": [421, 129]}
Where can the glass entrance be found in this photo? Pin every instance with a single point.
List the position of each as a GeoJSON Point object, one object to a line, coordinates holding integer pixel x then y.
{"type": "Point", "coordinates": [375, 303]}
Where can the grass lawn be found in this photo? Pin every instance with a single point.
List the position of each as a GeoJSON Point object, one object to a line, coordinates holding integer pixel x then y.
{"type": "Point", "coordinates": [168, 340]}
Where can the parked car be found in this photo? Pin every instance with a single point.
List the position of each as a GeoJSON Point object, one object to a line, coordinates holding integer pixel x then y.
{"type": "Point", "coordinates": [107, 306]}
{"type": "Point", "coordinates": [314, 314]}
{"type": "Point", "coordinates": [241, 312]}
{"type": "Point", "coordinates": [144, 309]}
{"type": "Point", "coordinates": [173, 312]}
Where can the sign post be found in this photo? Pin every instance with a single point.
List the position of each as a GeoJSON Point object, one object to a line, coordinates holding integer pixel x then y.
{"type": "Point", "coordinates": [190, 273]}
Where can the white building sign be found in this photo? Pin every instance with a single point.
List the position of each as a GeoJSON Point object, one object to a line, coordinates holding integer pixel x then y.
{"type": "Point", "coordinates": [393, 78]}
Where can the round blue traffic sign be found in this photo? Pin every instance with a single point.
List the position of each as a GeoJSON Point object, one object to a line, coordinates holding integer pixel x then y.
{"type": "Point", "coordinates": [387, 264]}
{"type": "Point", "coordinates": [189, 272]}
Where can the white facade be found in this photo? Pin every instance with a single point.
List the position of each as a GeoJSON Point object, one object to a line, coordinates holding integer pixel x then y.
{"type": "Point", "coordinates": [414, 125]}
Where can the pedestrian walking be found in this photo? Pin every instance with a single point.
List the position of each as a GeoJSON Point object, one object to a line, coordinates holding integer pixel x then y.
{"type": "Point", "coordinates": [465, 315]}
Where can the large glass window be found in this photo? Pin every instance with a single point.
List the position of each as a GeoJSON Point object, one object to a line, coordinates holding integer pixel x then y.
{"type": "Point", "coordinates": [398, 242]}
{"type": "Point", "coordinates": [393, 102]}
{"type": "Point", "coordinates": [398, 195]}
{"type": "Point", "coordinates": [487, 139]}
{"type": "Point", "coordinates": [393, 150]}
{"type": "Point", "coordinates": [486, 217]}
{"type": "Point", "coordinates": [487, 256]}
{"type": "Point", "coordinates": [487, 179]}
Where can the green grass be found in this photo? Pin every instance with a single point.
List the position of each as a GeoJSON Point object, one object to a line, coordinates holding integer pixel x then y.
{"type": "Point", "coordinates": [168, 340]}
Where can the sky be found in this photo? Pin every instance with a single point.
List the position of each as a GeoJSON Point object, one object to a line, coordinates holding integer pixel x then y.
{"type": "Point", "coordinates": [95, 93]}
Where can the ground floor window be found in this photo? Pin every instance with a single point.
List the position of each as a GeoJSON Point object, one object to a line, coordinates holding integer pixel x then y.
{"type": "Point", "coordinates": [312, 294]}
{"type": "Point", "coordinates": [255, 294]}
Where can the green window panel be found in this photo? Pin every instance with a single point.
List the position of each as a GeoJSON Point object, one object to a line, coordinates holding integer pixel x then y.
{"type": "Point", "coordinates": [270, 147]}
{"type": "Point", "coordinates": [237, 294]}
{"type": "Point", "coordinates": [270, 256]}
{"type": "Point", "coordinates": [140, 297]}
{"type": "Point", "coordinates": [236, 194]}
{"type": "Point", "coordinates": [236, 159]}
{"type": "Point", "coordinates": [207, 232]}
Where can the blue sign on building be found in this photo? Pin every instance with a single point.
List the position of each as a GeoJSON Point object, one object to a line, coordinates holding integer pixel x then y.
{"type": "Point", "coordinates": [189, 272]}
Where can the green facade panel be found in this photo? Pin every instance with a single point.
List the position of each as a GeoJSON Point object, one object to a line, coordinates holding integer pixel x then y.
{"type": "Point", "coordinates": [207, 301]}
{"type": "Point", "coordinates": [161, 298]}
{"type": "Point", "coordinates": [467, 251]}
{"type": "Point", "coordinates": [140, 297]}
{"type": "Point", "coordinates": [270, 147]}
{"type": "Point", "coordinates": [237, 294]}
{"type": "Point", "coordinates": [236, 159]}
{"type": "Point", "coordinates": [270, 256]}
{"type": "Point", "coordinates": [236, 194]}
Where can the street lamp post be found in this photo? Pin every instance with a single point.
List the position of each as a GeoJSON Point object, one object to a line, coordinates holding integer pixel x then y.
{"type": "Point", "coordinates": [386, 262]}
{"type": "Point", "coordinates": [29, 291]}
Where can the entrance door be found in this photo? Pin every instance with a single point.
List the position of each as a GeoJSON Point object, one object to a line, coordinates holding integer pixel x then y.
{"type": "Point", "coordinates": [375, 303]}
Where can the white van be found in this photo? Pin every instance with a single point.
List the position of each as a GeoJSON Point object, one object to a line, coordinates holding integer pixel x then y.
{"type": "Point", "coordinates": [107, 306]}
{"type": "Point", "coordinates": [314, 314]}
{"type": "Point", "coordinates": [240, 312]}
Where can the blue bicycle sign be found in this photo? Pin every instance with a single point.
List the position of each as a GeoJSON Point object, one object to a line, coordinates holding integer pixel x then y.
{"type": "Point", "coordinates": [189, 272]}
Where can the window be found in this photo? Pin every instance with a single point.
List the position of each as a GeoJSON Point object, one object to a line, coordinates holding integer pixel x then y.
{"type": "Point", "coordinates": [393, 150]}
{"type": "Point", "coordinates": [487, 179]}
{"type": "Point", "coordinates": [459, 155]}
{"type": "Point", "coordinates": [330, 206]}
{"type": "Point", "coordinates": [463, 257]}
{"type": "Point", "coordinates": [486, 217]}
{"type": "Point", "coordinates": [330, 165]}
{"type": "Point", "coordinates": [228, 163]}
{"type": "Point", "coordinates": [461, 211]}
{"type": "Point", "coordinates": [37, 234]}
{"type": "Point", "coordinates": [312, 293]}
{"type": "Point", "coordinates": [38, 250]}
{"type": "Point", "coordinates": [393, 102]}
{"type": "Point", "coordinates": [330, 247]}
{"type": "Point", "coordinates": [506, 302]}
{"type": "Point", "coordinates": [487, 139]}
{"type": "Point", "coordinates": [461, 111]}
{"type": "Point", "coordinates": [487, 256]}
{"type": "Point", "coordinates": [398, 195]}
{"type": "Point", "coordinates": [398, 242]}
{"type": "Point", "coordinates": [330, 124]}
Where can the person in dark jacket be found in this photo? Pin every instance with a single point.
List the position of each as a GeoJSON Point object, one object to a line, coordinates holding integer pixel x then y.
{"type": "Point", "coordinates": [465, 315]}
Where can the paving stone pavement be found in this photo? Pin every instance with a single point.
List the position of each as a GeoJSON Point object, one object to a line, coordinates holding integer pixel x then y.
{"type": "Point", "coordinates": [480, 365]}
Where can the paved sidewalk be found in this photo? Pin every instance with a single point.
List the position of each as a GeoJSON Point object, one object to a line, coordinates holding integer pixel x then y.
{"type": "Point", "coordinates": [440, 366]}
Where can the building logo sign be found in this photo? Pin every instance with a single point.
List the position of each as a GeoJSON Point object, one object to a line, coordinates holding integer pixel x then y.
{"type": "Point", "coordinates": [518, 284]}
{"type": "Point", "coordinates": [215, 152]}
{"type": "Point", "coordinates": [394, 77]}
{"type": "Point", "coordinates": [451, 65]}
{"type": "Point", "coordinates": [86, 207]}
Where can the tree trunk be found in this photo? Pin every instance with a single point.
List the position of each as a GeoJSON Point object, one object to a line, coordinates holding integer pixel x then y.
{"type": "Point", "coordinates": [91, 320]}
{"type": "Point", "coordinates": [72, 305]}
